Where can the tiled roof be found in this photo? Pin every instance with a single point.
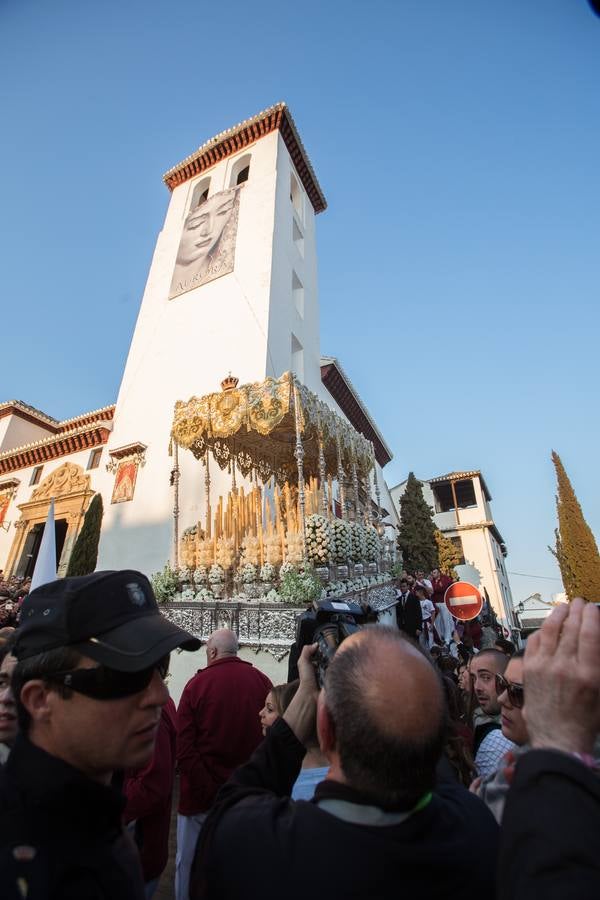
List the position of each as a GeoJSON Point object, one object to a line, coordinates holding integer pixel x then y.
{"type": "Point", "coordinates": [243, 135]}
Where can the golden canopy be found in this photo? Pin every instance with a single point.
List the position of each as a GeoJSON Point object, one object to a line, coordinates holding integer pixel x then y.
{"type": "Point", "coordinates": [258, 424]}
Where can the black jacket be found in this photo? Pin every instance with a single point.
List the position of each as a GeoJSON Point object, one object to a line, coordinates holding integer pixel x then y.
{"type": "Point", "coordinates": [409, 615]}
{"type": "Point", "coordinates": [61, 833]}
{"type": "Point", "coordinates": [295, 849]}
{"type": "Point", "coordinates": [550, 828]}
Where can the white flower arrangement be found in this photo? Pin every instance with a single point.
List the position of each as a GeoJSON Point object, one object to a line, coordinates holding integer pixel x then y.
{"type": "Point", "coordinates": [185, 575]}
{"type": "Point", "coordinates": [342, 540]}
{"type": "Point", "coordinates": [188, 595]}
{"type": "Point", "coordinates": [372, 544]}
{"type": "Point", "coordinates": [285, 568]}
{"type": "Point", "coordinates": [205, 594]}
{"type": "Point", "coordinates": [200, 575]}
{"type": "Point", "coordinates": [267, 572]}
{"type": "Point", "coordinates": [272, 597]}
{"type": "Point", "coordinates": [225, 552]}
{"type": "Point", "coordinates": [165, 584]}
{"type": "Point", "coordinates": [359, 543]}
{"type": "Point", "coordinates": [318, 540]}
{"type": "Point", "coordinates": [216, 575]}
{"type": "Point", "coordinates": [247, 573]}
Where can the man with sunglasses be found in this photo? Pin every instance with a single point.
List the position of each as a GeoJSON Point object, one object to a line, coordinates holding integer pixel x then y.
{"type": "Point", "coordinates": [489, 744]}
{"type": "Point", "coordinates": [92, 653]}
{"type": "Point", "coordinates": [493, 789]}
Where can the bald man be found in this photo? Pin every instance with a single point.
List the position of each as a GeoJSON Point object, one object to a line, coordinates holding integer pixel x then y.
{"type": "Point", "coordinates": [378, 825]}
{"type": "Point", "coordinates": [218, 728]}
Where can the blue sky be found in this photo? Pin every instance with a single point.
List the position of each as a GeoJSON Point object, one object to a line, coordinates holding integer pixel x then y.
{"type": "Point", "coordinates": [457, 144]}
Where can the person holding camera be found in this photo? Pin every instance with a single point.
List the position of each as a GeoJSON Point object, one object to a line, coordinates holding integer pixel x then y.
{"type": "Point", "coordinates": [378, 823]}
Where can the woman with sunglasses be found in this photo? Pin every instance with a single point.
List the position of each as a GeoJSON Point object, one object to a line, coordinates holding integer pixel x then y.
{"type": "Point", "coordinates": [509, 688]}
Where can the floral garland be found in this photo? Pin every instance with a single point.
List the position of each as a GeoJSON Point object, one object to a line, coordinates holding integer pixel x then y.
{"type": "Point", "coordinates": [318, 540]}
{"type": "Point", "coordinates": [188, 595]}
{"type": "Point", "coordinates": [342, 541]}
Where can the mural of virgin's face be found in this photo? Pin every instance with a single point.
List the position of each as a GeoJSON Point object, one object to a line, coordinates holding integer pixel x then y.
{"type": "Point", "coordinates": [203, 228]}
{"type": "Point", "coordinates": [199, 257]}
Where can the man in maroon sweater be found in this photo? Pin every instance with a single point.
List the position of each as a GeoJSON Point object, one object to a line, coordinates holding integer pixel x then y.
{"type": "Point", "coordinates": [218, 729]}
{"type": "Point", "coordinates": [149, 791]}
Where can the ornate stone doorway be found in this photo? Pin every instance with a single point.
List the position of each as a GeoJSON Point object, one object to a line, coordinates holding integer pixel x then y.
{"type": "Point", "coordinates": [70, 488]}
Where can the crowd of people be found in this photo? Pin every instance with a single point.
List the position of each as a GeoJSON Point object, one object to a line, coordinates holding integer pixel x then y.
{"type": "Point", "coordinates": [433, 760]}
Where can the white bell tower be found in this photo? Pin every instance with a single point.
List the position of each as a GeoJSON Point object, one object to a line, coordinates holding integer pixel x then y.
{"type": "Point", "coordinates": [232, 288]}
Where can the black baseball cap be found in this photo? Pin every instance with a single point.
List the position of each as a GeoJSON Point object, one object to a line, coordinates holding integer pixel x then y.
{"type": "Point", "coordinates": [112, 617]}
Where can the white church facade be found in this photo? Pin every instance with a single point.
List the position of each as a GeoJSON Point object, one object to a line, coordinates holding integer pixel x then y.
{"type": "Point", "coordinates": [232, 290]}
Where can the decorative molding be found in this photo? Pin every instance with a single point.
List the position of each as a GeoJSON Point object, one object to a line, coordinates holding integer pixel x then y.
{"type": "Point", "coordinates": [135, 452]}
{"type": "Point", "coordinates": [10, 485]}
{"type": "Point", "coordinates": [67, 479]}
{"type": "Point", "coordinates": [246, 133]}
{"type": "Point", "coordinates": [57, 445]}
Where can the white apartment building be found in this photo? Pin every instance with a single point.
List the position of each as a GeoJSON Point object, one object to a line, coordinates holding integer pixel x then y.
{"type": "Point", "coordinates": [461, 505]}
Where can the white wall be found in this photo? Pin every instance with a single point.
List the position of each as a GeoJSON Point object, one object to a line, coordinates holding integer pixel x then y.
{"type": "Point", "coordinates": [15, 432]}
{"type": "Point", "coordinates": [184, 666]}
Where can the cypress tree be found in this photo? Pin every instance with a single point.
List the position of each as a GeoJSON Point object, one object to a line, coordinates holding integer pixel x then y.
{"type": "Point", "coordinates": [85, 552]}
{"type": "Point", "coordinates": [576, 549]}
{"type": "Point", "coordinates": [448, 554]}
{"type": "Point", "coordinates": [416, 537]}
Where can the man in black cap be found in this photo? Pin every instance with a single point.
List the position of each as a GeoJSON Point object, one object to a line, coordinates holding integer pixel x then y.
{"type": "Point", "coordinates": [92, 653]}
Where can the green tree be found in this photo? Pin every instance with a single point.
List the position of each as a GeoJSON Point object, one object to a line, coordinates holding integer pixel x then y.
{"type": "Point", "coordinates": [576, 549]}
{"type": "Point", "coordinates": [85, 552]}
{"type": "Point", "coordinates": [416, 537]}
{"type": "Point", "coordinates": [448, 554]}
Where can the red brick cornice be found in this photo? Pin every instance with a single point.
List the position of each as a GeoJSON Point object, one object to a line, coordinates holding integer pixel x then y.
{"type": "Point", "coordinates": [54, 447]}
{"type": "Point", "coordinates": [243, 135]}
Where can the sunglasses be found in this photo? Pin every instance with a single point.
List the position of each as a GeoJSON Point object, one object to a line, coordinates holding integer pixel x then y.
{"type": "Point", "coordinates": [102, 683]}
{"type": "Point", "coordinates": [514, 692]}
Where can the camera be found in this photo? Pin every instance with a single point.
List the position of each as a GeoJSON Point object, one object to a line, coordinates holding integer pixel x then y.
{"type": "Point", "coordinates": [327, 624]}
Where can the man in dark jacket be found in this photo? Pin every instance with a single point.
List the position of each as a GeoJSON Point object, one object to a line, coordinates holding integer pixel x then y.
{"type": "Point", "coordinates": [377, 826]}
{"type": "Point", "coordinates": [408, 612]}
{"type": "Point", "coordinates": [218, 727]}
{"type": "Point", "coordinates": [549, 847]}
{"type": "Point", "coordinates": [91, 653]}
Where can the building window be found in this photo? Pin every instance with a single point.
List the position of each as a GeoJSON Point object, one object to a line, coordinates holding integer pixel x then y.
{"type": "Point", "coordinates": [444, 495]}
{"type": "Point", "coordinates": [94, 460]}
{"type": "Point", "coordinates": [240, 171]}
{"type": "Point", "coordinates": [298, 238]}
{"type": "Point", "coordinates": [36, 475]}
{"type": "Point", "coordinates": [296, 195]}
{"type": "Point", "coordinates": [200, 192]}
{"type": "Point", "coordinates": [298, 295]}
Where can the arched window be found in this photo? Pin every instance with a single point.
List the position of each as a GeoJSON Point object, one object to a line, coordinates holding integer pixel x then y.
{"type": "Point", "coordinates": [240, 171]}
{"type": "Point", "coordinates": [200, 192]}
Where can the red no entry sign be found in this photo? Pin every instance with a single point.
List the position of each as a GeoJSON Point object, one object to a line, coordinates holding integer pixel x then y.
{"type": "Point", "coordinates": [463, 600]}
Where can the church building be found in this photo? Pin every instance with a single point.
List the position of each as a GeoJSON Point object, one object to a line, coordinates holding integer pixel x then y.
{"type": "Point", "coordinates": [232, 297]}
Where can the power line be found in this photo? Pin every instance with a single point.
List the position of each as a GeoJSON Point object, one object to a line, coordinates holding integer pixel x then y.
{"type": "Point", "coordinates": [529, 575]}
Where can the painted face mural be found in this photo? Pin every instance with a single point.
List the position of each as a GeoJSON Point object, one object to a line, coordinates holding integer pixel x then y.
{"type": "Point", "coordinates": [207, 246]}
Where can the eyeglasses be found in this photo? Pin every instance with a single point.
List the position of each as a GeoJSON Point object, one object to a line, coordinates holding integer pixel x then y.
{"type": "Point", "coordinates": [102, 683]}
{"type": "Point", "coordinates": [514, 692]}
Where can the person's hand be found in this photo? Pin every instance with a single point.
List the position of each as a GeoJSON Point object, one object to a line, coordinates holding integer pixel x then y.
{"type": "Point", "coordinates": [562, 679]}
{"type": "Point", "coordinates": [475, 785]}
{"type": "Point", "coordinates": [306, 669]}
{"type": "Point", "coordinates": [302, 711]}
